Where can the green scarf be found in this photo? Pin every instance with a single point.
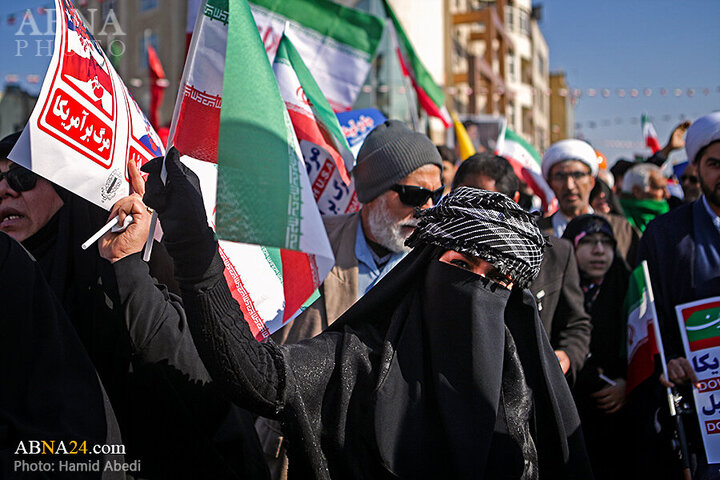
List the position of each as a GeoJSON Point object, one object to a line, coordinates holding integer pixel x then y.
{"type": "Point", "coordinates": [640, 212]}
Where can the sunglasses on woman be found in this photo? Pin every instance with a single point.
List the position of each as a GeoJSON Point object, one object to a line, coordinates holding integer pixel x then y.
{"type": "Point", "coordinates": [20, 179]}
{"type": "Point", "coordinates": [414, 196]}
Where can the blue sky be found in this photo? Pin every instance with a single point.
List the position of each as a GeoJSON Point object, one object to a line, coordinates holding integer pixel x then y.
{"type": "Point", "coordinates": [626, 44]}
{"type": "Point", "coordinates": [24, 52]}
{"type": "Point", "coordinates": [613, 44]}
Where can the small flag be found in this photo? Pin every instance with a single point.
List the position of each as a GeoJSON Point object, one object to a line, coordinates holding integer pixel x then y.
{"type": "Point", "coordinates": [158, 84]}
{"type": "Point", "coordinates": [430, 95]}
{"type": "Point", "coordinates": [327, 155]}
{"type": "Point", "coordinates": [650, 135]}
{"type": "Point", "coordinates": [641, 343]}
{"type": "Point", "coordinates": [465, 145]}
{"type": "Point", "coordinates": [525, 161]}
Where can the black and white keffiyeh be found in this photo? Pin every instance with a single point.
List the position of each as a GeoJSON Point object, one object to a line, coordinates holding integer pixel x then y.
{"type": "Point", "coordinates": [488, 225]}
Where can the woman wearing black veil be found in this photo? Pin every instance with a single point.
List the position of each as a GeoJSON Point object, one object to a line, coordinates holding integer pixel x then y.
{"type": "Point", "coordinates": [438, 372]}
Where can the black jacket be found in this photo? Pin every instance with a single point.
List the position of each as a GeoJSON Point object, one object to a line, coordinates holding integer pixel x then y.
{"type": "Point", "coordinates": [560, 303]}
{"type": "Point", "coordinates": [171, 416]}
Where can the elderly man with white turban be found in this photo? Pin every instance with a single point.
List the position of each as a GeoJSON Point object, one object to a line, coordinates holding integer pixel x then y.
{"type": "Point", "coordinates": [682, 249]}
{"type": "Point", "coordinates": [570, 167]}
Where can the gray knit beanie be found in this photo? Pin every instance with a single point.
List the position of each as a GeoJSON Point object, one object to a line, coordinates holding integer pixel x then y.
{"type": "Point", "coordinates": [390, 153]}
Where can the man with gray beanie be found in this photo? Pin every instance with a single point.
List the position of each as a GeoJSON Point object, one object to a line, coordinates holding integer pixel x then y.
{"type": "Point", "coordinates": [570, 167]}
{"type": "Point", "coordinates": [682, 250]}
{"type": "Point", "coordinates": [398, 171]}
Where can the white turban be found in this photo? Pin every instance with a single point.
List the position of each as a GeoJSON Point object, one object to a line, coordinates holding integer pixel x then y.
{"type": "Point", "coordinates": [571, 149]}
{"type": "Point", "coordinates": [702, 133]}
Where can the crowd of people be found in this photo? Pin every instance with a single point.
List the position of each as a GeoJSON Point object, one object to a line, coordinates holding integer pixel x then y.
{"type": "Point", "coordinates": [458, 335]}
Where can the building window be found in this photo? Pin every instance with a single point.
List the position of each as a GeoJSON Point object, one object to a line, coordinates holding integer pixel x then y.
{"type": "Point", "coordinates": [524, 21]}
{"type": "Point", "coordinates": [510, 18]}
{"type": "Point", "coordinates": [147, 5]}
{"type": "Point", "coordinates": [541, 64]}
{"type": "Point", "coordinates": [511, 67]}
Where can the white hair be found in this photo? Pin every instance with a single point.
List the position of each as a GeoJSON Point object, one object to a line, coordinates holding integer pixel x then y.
{"type": "Point", "coordinates": [639, 175]}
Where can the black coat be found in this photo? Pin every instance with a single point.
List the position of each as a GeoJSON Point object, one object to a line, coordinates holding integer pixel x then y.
{"type": "Point", "coordinates": [668, 245]}
{"type": "Point", "coordinates": [50, 390]}
{"type": "Point", "coordinates": [171, 416]}
{"type": "Point", "coordinates": [560, 303]}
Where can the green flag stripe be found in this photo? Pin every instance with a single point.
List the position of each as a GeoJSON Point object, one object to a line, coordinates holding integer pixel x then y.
{"type": "Point", "coordinates": [320, 106]}
{"type": "Point", "coordinates": [357, 29]}
{"type": "Point", "coordinates": [423, 78]}
{"type": "Point", "coordinates": [635, 297]}
{"type": "Point", "coordinates": [253, 145]}
{"type": "Point", "coordinates": [511, 135]}
{"type": "Point", "coordinates": [219, 4]}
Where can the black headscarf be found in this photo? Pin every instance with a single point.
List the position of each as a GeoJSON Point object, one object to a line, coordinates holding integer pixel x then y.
{"type": "Point", "coordinates": [604, 303]}
{"type": "Point", "coordinates": [466, 384]}
{"type": "Point", "coordinates": [50, 388]}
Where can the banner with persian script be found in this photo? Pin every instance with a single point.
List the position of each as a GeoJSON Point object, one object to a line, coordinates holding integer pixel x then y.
{"type": "Point", "coordinates": [85, 126]}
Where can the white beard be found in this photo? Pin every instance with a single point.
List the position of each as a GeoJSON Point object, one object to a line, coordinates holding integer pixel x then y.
{"type": "Point", "coordinates": [387, 230]}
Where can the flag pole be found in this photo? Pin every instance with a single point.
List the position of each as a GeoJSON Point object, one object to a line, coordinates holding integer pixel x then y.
{"type": "Point", "coordinates": [176, 112]}
{"type": "Point", "coordinates": [673, 397]}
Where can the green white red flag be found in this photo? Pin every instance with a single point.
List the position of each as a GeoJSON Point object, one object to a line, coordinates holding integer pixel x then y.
{"type": "Point", "coordinates": [430, 96]}
{"type": "Point", "coordinates": [231, 120]}
{"type": "Point", "coordinates": [326, 152]}
{"type": "Point", "coordinates": [336, 43]}
{"type": "Point", "coordinates": [649, 134]}
{"type": "Point", "coordinates": [525, 161]}
{"type": "Point", "coordinates": [642, 336]}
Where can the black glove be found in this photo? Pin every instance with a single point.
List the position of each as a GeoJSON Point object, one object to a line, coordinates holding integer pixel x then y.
{"type": "Point", "coordinates": [187, 236]}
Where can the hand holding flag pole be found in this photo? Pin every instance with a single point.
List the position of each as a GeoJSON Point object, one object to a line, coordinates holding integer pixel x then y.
{"type": "Point", "coordinates": [147, 251]}
{"type": "Point", "coordinates": [673, 397]}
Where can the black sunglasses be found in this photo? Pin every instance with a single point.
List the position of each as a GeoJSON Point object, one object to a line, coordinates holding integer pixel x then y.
{"type": "Point", "coordinates": [20, 179]}
{"type": "Point", "coordinates": [413, 196]}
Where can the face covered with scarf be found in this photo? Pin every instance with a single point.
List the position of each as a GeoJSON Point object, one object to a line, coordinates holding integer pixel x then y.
{"type": "Point", "coordinates": [465, 358]}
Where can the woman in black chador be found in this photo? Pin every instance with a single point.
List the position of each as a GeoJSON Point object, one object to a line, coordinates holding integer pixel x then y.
{"type": "Point", "coordinates": [600, 387]}
{"type": "Point", "coordinates": [438, 372]}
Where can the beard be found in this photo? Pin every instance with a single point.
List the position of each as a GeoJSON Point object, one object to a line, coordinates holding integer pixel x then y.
{"type": "Point", "coordinates": [711, 192]}
{"type": "Point", "coordinates": [388, 230]}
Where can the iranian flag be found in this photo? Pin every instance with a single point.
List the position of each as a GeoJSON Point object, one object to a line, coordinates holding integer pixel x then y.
{"type": "Point", "coordinates": [650, 135]}
{"type": "Point", "coordinates": [642, 336]}
{"type": "Point", "coordinates": [327, 155]}
{"type": "Point", "coordinates": [525, 161]}
{"type": "Point", "coordinates": [429, 94]}
{"type": "Point", "coordinates": [234, 131]}
{"type": "Point", "coordinates": [336, 43]}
